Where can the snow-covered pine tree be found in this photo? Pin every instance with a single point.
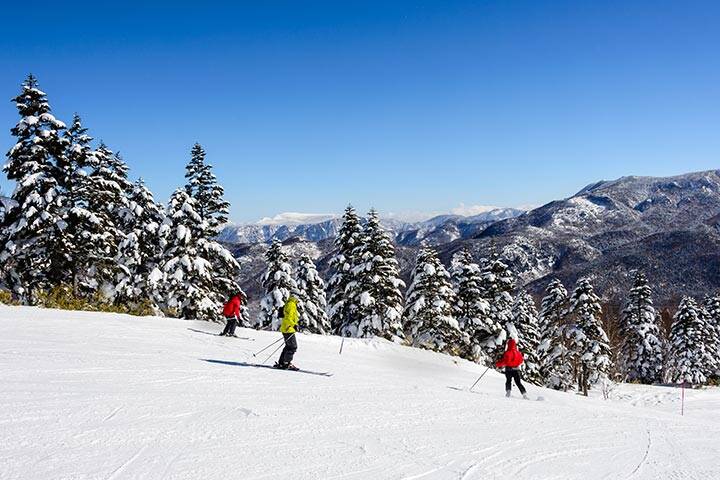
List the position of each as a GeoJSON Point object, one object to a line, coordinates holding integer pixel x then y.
{"type": "Point", "coordinates": [78, 156]}
{"type": "Point", "coordinates": [496, 287]}
{"type": "Point", "coordinates": [189, 291]}
{"type": "Point", "coordinates": [589, 344]}
{"type": "Point", "coordinates": [33, 255]}
{"type": "Point", "coordinates": [105, 194]}
{"type": "Point", "coordinates": [688, 351]}
{"type": "Point", "coordinates": [348, 239]}
{"type": "Point", "coordinates": [141, 250]}
{"type": "Point", "coordinates": [203, 187]}
{"type": "Point", "coordinates": [279, 284]}
{"type": "Point", "coordinates": [642, 348]}
{"type": "Point", "coordinates": [555, 363]}
{"type": "Point", "coordinates": [374, 293]}
{"type": "Point", "coordinates": [470, 307]}
{"type": "Point", "coordinates": [525, 327]}
{"type": "Point", "coordinates": [312, 305]}
{"type": "Point", "coordinates": [428, 318]}
{"type": "Point", "coordinates": [712, 311]}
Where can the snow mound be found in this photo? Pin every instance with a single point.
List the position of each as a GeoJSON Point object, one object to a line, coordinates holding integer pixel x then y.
{"type": "Point", "coordinates": [96, 396]}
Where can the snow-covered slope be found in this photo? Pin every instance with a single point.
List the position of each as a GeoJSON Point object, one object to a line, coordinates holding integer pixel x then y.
{"type": "Point", "coordinates": [98, 396]}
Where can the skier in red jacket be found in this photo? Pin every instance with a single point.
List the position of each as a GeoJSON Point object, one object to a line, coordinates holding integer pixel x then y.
{"type": "Point", "coordinates": [511, 361]}
{"type": "Point", "coordinates": [231, 311]}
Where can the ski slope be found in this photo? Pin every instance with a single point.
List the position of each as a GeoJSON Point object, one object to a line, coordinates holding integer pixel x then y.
{"type": "Point", "coordinates": [101, 396]}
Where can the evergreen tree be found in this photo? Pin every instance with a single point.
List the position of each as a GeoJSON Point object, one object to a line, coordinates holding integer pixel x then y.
{"type": "Point", "coordinates": [428, 317]}
{"type": "Point", "coordinates": [712, 309]}
{"type": "Point", "coordinates": [279, 284]}
{"type": "Point", "coordinates": [140, 252]}
{"type": "Point", "coordinates": [470, 308]}
{"type": "Point", "coordinates": [374, 293]}
{"type": "Point", "coordinates": [78, 157]}
{"type": "Point", "coordinates": [524, 328]}
{"type": "Point", "coordinates": [642, 348]}
{"type": "Point", "coordinates": [347, 240]}
{"type": "Point", "coordinates": [688, 348]}
{"type": "Point", "coordinates": [105, 191]}
{"type": "Point", "coordinates": [555, 367]}
{"type": "Point", "coordinates": [496, 287]}
{"type": "Point", "coordinates": [189, 291]}
{"type": "Point", "coordinates": [203, 187]}
{"type": "Point", "coordinates": [589, 345]}
{"type": "Point", "coordinates": [312, 305]}
{"type": "Point", "coordinates": [33, 255]}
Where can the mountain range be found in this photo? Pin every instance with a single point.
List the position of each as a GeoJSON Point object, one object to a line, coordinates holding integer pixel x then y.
{"type": "Point", "coordinates": [667, 226]}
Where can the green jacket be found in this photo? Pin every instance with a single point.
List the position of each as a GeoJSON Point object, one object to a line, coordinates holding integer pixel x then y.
{"type": "Point", "coordinates": [290, 316]}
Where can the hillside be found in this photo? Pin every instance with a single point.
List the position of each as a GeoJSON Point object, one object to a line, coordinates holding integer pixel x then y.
{"type": "Point", "coordinates": [669, 227]}
{"type": "Point", "coordinates": [100, 396]}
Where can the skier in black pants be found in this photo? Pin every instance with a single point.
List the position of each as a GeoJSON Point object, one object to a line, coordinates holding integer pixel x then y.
{"type": "Point", "coordinates": [232, 315]}
{"type": "Point", "coordinates": [511, 361]}
{"type": "Point", "coordinates": [288, 329]}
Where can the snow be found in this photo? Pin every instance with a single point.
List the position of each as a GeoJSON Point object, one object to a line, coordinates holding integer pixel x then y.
{"type": "Point", "coordinates": [295, 218]}
{"type": "Point", "coordinates": [103, 396]}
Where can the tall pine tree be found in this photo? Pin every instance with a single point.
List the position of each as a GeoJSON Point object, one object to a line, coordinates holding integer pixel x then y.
{"type": "Point", "coordinates": [279, 285]}
{"type": "Point", "coordinates": [470, 307]}
{"type": "Point", "coordinates": [712, 311]}
{"type": "Point", "coordinates": [140, 252]}
{"type": "Point", "coordinates": [312, 306]}
{"type": "Point", "coordinates": [33, 255]}
{"type": "Point", "coordinates": [642, 348]}
{"type": "Point", "coordinates": [688, 351]}
{"type": "Point", "coordinates": [375, 292]}
{"type": "Point", "coordinates": [589, 344]}
{"type": "Point", "coordinates": [342, 263]}
{"type": "Point", "coordinates": [187, 286]}
{"type": "Point", "coordinates": [555, 364]}
{"type": "Point", "coordinates": [428, 317]}
{"type": "Point", "coordinates": [203, 187]}
{"type": "Point", "coordinates": [525, 325]}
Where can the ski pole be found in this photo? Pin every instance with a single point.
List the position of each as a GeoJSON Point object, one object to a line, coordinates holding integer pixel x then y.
{"type": "Point", "coordinates": [273, 343]}
{"type": "Point", "coordinates": [273, 353]}
{"type": "Point", "coordinates": [342, 344]}
{"type": "Point", "coordinates": [481, 377]}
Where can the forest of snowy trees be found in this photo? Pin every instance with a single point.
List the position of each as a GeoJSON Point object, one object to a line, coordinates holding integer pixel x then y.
{"type": "Point", "coordinates": [77, 232]}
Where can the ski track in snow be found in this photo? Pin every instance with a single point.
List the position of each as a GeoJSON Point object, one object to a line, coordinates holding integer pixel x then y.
{"type": "Point", "coordinates": [112, 397]}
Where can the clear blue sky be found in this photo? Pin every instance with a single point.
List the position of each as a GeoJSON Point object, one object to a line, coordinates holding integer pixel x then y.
{"type": "Point", "coordinates": [407, 106]}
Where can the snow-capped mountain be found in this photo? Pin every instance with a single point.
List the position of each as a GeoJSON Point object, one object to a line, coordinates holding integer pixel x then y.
{"type": "Point", "coordinates": [318, 227]}
{"type": "Point", "coordinates": [669, 227]}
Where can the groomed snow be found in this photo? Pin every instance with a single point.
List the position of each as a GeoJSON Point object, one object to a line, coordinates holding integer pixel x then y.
{"type": "Point", "coordinates": [100, 396]}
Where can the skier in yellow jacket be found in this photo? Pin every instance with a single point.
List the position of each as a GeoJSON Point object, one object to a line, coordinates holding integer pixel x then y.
{"type": "Point", "coordinates": [287, 328]}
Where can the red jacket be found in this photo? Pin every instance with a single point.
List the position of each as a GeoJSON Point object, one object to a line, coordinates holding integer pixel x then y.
{"type": "Point", "coordinates": [512, 358]}
{"type": "Point", "coordinates": [232, 308]}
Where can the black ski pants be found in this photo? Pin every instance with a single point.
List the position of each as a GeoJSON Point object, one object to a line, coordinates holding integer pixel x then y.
{"type": "Point", "coordinates": [513, 374]}
{"type": "Point", "coordinates": [288, 352]}
{"type": "Point", "coordinates": [230, 326]}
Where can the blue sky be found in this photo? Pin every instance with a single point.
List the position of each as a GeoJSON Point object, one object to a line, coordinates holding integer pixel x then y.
{"type": "Point", "coordinates": [405, 106]}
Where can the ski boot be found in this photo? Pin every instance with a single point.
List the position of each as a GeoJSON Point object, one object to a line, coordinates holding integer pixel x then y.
{"type": "Point", "coordinates": [507, 393]}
